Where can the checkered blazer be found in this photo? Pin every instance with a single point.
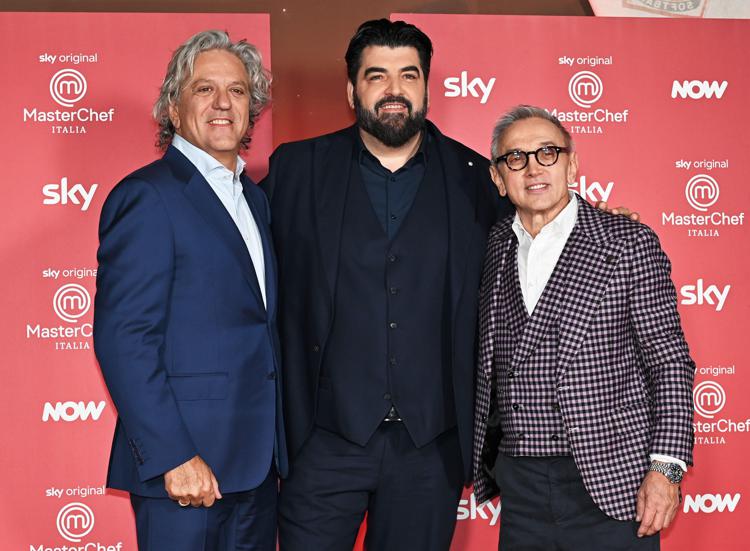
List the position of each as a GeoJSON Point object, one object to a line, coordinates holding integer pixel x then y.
{"type": "Point", "coordinates": [624, 375]}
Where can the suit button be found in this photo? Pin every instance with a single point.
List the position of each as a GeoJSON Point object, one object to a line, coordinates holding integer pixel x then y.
{"type": "Point", "coordinates": [392, 360]}
{"type": "Point", "coordinates": [393, 290]}
{"type": "Point", "coordinates": [271, 376]}
{"type": "Point", "coordinates": [393, 325]}
{"type": "Point", "coordinates": [316, 348]}
{"type": "Point", "coordinates": [391, 258]}
{"type": "Point", "coordinates": [386, 396]}
{"type": "Point", "coordinates": [515, 407]}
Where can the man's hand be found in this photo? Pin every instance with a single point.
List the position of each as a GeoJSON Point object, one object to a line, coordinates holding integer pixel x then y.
{"type": "Point", "coordinates": [193, 482]}
{"type": "Point", "coordinates": [657, 503]}
{"type": "Point", "coordinates": [625, 211]}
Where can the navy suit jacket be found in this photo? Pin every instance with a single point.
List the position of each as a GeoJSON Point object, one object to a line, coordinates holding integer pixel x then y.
{"type": "Point", "coordinates": [188, 351]}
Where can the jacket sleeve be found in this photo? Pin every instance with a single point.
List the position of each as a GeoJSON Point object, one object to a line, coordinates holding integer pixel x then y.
{"type": "Point", "coordinates": [136, 267]}
{"type": "Point", "coordinates": [670, 369]}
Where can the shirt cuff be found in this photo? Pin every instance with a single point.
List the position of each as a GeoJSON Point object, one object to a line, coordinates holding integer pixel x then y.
{"type": "Point", "coordinates": [668, 459]}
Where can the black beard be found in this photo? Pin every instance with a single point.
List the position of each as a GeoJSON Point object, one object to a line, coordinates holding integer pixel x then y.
{"type": "Point", "coordinates": [392, 129]}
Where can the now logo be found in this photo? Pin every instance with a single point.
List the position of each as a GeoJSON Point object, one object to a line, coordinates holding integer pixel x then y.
{"type": "Point", "coordinates": [710, 503]}
{"type": "Point", "coordinates": [698, 89]}
{"type": "Point", "coordinates": [72, 411]}
{"type": "Point", "coordinates": [463, 87]}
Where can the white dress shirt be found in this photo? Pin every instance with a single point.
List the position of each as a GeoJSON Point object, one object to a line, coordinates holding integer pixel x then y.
{"type": "Point", "coordinates": [228, 189]}
{"type": "Point", "coordinates": [537, 258]}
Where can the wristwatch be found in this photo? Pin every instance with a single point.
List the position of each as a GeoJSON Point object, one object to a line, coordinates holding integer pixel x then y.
{"type": "Point", "coordinates": [672, 471]}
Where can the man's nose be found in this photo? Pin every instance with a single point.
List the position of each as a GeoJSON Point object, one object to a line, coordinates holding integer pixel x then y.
{"type": "Point", "coordinates": [394, 87]}
{"type": "Point", "coordinates": [221, 99]}
{"type": "Point", "coordinates": [532, 165]}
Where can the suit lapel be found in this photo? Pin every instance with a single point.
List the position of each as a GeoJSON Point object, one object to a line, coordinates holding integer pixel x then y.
{"type": "Point", "coordinates": [593, 260]}
{"type": "Point", "coordinates": [211, 209]}
{"type": "Point", "coordinates": [269, 259]}
{"type": "Point", "coordinates": [333, 161]}
{"type": "Point", "coordinates": [575, 288]}
{"type": "Point", "coordinates": [462, 215]}
{"type": "Point", "coordinates": [510, 291]}
{"type": "Point", "coordinates": [546, 311]}
{"type": "Point", "coordinates": [496, 293]}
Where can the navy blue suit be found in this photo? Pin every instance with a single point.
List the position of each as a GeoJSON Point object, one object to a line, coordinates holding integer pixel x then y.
{"type": "Point", "coordinates": [188, 351]}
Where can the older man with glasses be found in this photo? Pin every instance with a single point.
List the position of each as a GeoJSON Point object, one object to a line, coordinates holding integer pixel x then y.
{"type": "Point", "coordinates": [584, 402]}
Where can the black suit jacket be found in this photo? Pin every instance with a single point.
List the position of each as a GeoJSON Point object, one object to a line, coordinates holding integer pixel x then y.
{"type": "Point", "coordinates": [305, 185]}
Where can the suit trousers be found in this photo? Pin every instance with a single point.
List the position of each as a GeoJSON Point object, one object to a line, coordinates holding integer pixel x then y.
{"type": "Point", "coordinates": [545, 507]}
{"type": "Point", "coordinates": [242, 521]}
{"type": "Point", "coordinates": [410, 494]}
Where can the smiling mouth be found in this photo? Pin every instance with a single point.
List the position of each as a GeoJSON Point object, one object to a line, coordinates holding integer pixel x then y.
{"type": "Point", "coordinates": [537, 187]}
{"type": "Point", "coordinates": [219, 122]}
{"type": "Point", "coordinates": [395, 106]}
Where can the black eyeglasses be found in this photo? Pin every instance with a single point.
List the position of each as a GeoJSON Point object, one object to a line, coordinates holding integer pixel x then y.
{"type": "Point", "coordinates": [546, 156]}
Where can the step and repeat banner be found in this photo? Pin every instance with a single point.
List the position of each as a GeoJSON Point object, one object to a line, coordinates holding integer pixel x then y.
{"type": "Point", "coordinates": [76, 115]}
{"type": "Point", "coordinates": [655, 107]}
{"type": "Point", "coordinates": [658, 112]}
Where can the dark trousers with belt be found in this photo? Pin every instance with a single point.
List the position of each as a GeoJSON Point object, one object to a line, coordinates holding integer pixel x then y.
{"type": "Point", "coordinates": [545, 507]}
{"type": "Point", "coordinates": [410, 494]}
{"type": "Point", "coordinates": [242, 521]}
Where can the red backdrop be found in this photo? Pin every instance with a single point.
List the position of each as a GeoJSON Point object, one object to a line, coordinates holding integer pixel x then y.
{"type": "Point", "coordinates": [657, 111]}
{"type": "Point", "coordinates": [671, 151]}
{"type": "Point", "coordinates": [57, 419]}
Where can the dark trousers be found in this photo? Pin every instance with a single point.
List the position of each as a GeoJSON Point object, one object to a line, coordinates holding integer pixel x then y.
{"type": "Point", "coordinates": [410, 494]}
{"type": "Point", "coordinates": [239, 521]}
{"type": "Point", "coordinates": [545, 507]}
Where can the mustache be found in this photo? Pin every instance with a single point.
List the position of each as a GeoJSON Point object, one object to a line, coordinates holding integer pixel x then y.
{"type": "Point", "coordinates": [393, 99]}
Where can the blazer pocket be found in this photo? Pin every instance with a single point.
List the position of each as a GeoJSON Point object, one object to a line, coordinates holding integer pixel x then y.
{"type": "Point", "coordinates": [200, 386]}
{"type": "Point", "coordinates": [634, 418]}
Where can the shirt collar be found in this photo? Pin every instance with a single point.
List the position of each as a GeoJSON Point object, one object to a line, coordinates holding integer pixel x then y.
{"type": "Point", "coordinates": [361, 152]}
{"type": "Point", "coordinates": [205, 163]}
{"type": "Point", "coordinates": [562, 224]}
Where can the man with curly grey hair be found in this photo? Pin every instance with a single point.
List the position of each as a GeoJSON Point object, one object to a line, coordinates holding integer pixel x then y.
{"type": "Point", "coordinates": [185, 325]}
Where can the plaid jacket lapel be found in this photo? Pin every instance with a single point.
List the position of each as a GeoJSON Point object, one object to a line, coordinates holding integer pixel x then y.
{"type": "Point", "coordinates": [588, 276]}
{"type": "Point", "coordinates": [547, 310]}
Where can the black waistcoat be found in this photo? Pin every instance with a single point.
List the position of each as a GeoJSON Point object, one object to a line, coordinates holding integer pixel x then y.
{"type": "Point", "coordinates": [389, 343]}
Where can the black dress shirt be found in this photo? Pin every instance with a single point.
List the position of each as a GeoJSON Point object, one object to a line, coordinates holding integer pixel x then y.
{"type": "Point", "coordinates": [391, 193]}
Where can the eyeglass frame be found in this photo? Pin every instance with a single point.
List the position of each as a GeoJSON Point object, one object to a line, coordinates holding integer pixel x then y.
{"type": "Point", "coordinates": [528, 154]}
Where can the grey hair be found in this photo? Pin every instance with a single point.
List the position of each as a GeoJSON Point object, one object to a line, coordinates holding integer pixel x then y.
{"type": "Point", "coordinates": [180, 69]}
{"type": "Point", "coordinates": [520, 112]}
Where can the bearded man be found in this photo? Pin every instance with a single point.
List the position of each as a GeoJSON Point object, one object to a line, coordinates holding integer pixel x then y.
{"type": "Point", "coordinates": [380, 233]}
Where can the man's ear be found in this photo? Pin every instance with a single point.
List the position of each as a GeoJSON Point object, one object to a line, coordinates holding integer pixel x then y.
{"type": "Point", "coordinates": [498, 180]}
{"type": "Point", "coordinates": [350, 93]}
{"type": "Point", "coordinates": [572, 167]}
{"type": "Point", "coordinates": [174, 116]}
